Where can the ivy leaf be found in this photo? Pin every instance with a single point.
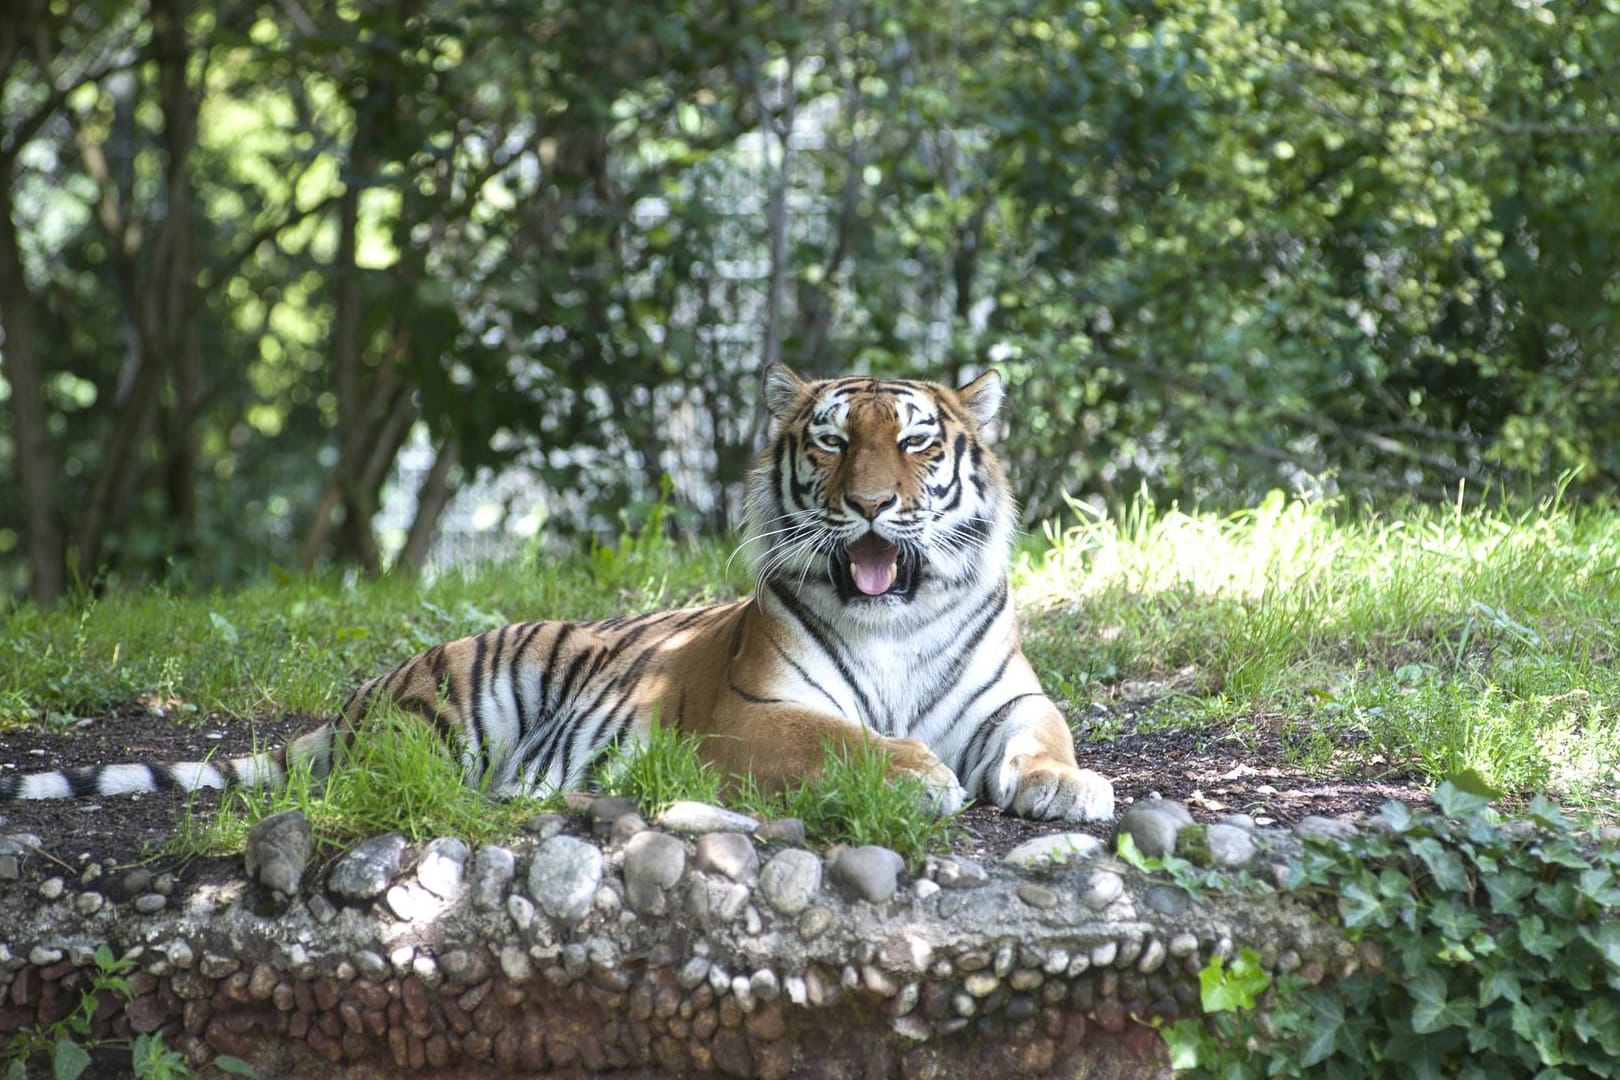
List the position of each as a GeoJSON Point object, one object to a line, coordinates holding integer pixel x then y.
{"type": "Point", "coordinates": [1454, 802]}
{"type": "Point", "coordinates": [1432, 1009]}
{"type": "Point", "coordinates": [1444, 865]}
{"type": "Point", "coordinates": [1544, 811]}
{"type": "Point", "coordinates": [1507, 889]}
{"type": "Point", "coordinates": [1535, 938]}
{"type": "Point", "coordinates": [1500, 984]}
{"type": "Point", "coordinates": [1397, 814]}
{"type": "Point", "coordinates": [1228, 989]}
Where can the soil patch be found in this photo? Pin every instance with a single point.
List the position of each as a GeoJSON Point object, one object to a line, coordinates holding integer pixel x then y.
{"type": "Point", "coordinates": [1214, 774]}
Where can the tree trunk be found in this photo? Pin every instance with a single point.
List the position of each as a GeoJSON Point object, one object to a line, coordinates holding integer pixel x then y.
{"type": "Point", "coordinates": [36, 465]}
{"type": "Point", "coordinates": [431, 499]}
{"type": "Point", "coordinates": [163, 295]}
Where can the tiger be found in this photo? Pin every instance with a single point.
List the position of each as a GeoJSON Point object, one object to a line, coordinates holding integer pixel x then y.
{"type": "Point", "coordinates": [878, 526]}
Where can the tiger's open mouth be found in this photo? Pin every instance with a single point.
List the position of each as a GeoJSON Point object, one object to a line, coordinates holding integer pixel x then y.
{"type": "Point", "coordinates": [872, 566]}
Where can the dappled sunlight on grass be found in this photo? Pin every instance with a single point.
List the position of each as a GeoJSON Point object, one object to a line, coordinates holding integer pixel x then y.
{"type": "Point", "coordinates": [1430, 641]}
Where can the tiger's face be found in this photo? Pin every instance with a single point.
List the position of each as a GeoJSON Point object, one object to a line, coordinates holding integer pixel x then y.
{"type": "Point", "coordinates": [878, 490]}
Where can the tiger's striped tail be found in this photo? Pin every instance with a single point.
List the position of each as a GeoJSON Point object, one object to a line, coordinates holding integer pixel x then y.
{"type": "Point", "coordinates": [265, 769]}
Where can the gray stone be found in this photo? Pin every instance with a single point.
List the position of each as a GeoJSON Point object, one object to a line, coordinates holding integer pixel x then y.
{"type": "Point", "coordinates": [1176, 810]}
{"type": "Point", "coordinates": [1152, 958]}
{"type": "Point", "coordinates": [1102, 887]}
{"type": "Point", "coordinates": [788, 830]}
{"type": "Point", "coordinates": [729, 854]}
{"type": "Point", "coordinates": [1230, 847]}
{"type": "Point", "coordinates": [515, 964]}
{"type": "Point", "coordinates": [442, 866]}
{"type": "Point", "coordinates": [411, 903]}
{"type": "Point", "coordinates": [43, 956]}
{"type": "Point", "coordinates": [364, 872]}
{"type": "Point", "coordinates": [1055, 850]}
{"type": "Point", "coordinates": [814, 922]}
{"type": "Point", "coordinates": [148, 903]}
{"type": "Point", "coordinates": [790, 880]}
{"type": "Point", "coordinates": [764, 984]}
{"type": "Point", "coordinates": [10, 868]}
{"type": "Point", "coordinates": [625, 826]}
{"type": "Point", "coordinates": [696, 817]}
{"type": "Point", "coordinates": [1153, 829]}
{"type": "Point", "coordinates": [164, 884]}
{"type": "Point", "coordinates": [320, 908]}
{"type": "Point", "coordinates": [868, 872]}
{"type": "Point", "coordinates": [715, 903]}
{"type": "Point", "coordinates": [88, 903]}
{"type": "Point", "coordinates": [521, 909]}
{"type": "Point", "coordinates": [1327, 829]}
{"type": "Point", "coordinates": [1171, 900]}
{"type": "Point", "coordinates": [545, 826]}
{"type": "Point", "coordinates": [563, 877]}
{"type": "Point", "coordinates": [1242, 821]}
{"type": "Point", "coordinates": [606, 809]}
{"type": "Point", "coordinates": [278, 850]}
{"type": "Point", "coordinates": [1183, 944]}
{"type": "Point", "coordinates": [653, 863]}
{"type": "Point", "coordinates": [493, 869]}
{"type": "Point", "coordinates": [955, 872]}
{"type": "Point", "coordinates": [137, 881]}
{"type": "Point", "coordinates": [52, 888]}
{"type": "Point", "coordinates": [692, 973]}
{"type": "Point", "coordinates": [1037, 896]}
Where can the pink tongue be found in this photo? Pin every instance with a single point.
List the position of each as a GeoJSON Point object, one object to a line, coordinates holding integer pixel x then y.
{"type": "Point", "coordinates": [872, 564]}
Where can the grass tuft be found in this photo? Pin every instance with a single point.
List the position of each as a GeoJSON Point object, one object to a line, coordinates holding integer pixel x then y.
{"type": "Point", "coordinates": [856, 801]}
{"type": "Point", "coordinates": [667, 769]}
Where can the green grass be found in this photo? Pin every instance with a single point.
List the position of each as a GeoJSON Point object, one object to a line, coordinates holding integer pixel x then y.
{"type": "Point", "coordinates": [1423, 643]}
{"type": "Point", "coordinates": [855, 801]}
{"type": "Point", "coordinates": [1419, 643]}
{"type": "Point", "coordinates": [668, 769]}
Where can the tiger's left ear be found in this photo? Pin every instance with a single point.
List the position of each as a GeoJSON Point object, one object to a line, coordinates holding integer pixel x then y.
{"type": "Point", "coordinates": [983, 396]}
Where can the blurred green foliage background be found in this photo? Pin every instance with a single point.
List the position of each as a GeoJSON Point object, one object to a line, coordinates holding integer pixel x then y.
{"type": "Point", "coordinates": [256, 256]}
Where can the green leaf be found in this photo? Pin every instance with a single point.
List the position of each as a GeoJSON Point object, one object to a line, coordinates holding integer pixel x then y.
{"type": "Point", "coordinates": [1228, 989]}
{"type": "Point", "coordinates": [1454, 802]}
{"type": "Point", "coordinates": [1183, 1038]}
{"type": "Point", "coordinates": [1536, 939]}
{"type": "Point", "coordinates": [1433, 1009]}
{"type": "Point", "coordinates": [1471, 782]}
{"type": "Point", "coordinates": [1444, 865]}
{"type": "Point", "coordinates": [1544, 812]}
{"type": "Point", "coordinates": [1499, 984]}
{"type": "Point", "coordinates": [223, 627]}
{"type": "Point", "coordinates": [235, 1066]}
{"type": "Point", "coordinates": [68, 1060]}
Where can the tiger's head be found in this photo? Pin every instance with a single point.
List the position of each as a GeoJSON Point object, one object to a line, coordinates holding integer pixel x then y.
{"type": "Point", "coordinates": [879, 491]}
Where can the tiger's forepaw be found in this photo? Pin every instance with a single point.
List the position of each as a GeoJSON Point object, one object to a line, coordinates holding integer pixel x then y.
{"type": "Point", "coordinates": [942, 792]}
{"type": "Point", "coordinates": [1050, 790]}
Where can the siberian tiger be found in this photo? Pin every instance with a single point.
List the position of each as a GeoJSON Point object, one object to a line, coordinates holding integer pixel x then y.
{"type": "Point", "coordinates": [878, 526]}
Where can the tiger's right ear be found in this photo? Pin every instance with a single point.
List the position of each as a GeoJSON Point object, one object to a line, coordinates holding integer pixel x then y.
{"type": "Point", "coordinates": [782, 389]}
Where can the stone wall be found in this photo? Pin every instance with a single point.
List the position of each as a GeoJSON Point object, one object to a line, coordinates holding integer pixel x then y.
{"type": "Point", "coordinates": [702, 943]}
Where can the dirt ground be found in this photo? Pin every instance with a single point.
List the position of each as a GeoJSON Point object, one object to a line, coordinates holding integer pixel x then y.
{"type": "Point", "coordinates": [1213, 774]}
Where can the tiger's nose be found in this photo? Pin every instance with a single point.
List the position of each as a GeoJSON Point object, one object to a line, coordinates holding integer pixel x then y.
{"type": "Point", "coordinates": [870, 506]}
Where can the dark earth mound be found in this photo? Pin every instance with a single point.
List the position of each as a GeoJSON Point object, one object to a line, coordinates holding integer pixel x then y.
{"type": "Point", "coordinates": [1214, 774]}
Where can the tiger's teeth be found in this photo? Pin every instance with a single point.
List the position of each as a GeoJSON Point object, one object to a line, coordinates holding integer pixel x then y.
{"type": "Point", "coordinates": [894, 569]}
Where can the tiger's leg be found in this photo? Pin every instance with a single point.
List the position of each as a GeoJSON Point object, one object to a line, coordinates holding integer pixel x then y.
{"type": "Point", "coordinates": [1037, 776]}
{"type": "Point", "coordinates": [781, 745]}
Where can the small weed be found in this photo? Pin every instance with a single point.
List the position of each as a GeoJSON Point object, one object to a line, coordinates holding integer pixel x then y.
{"type": "Point", "coordinates": [68, 1043]}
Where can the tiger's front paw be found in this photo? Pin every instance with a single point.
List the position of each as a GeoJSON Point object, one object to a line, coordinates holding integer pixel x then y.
{"type": "Point", "coordinates": [1052, 790]}
{"type": "Point", "coordinates": [942, 792]}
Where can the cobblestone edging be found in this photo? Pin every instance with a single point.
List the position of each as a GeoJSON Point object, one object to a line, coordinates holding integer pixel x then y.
{"type": "Point", "coordinates": [703, 942]}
